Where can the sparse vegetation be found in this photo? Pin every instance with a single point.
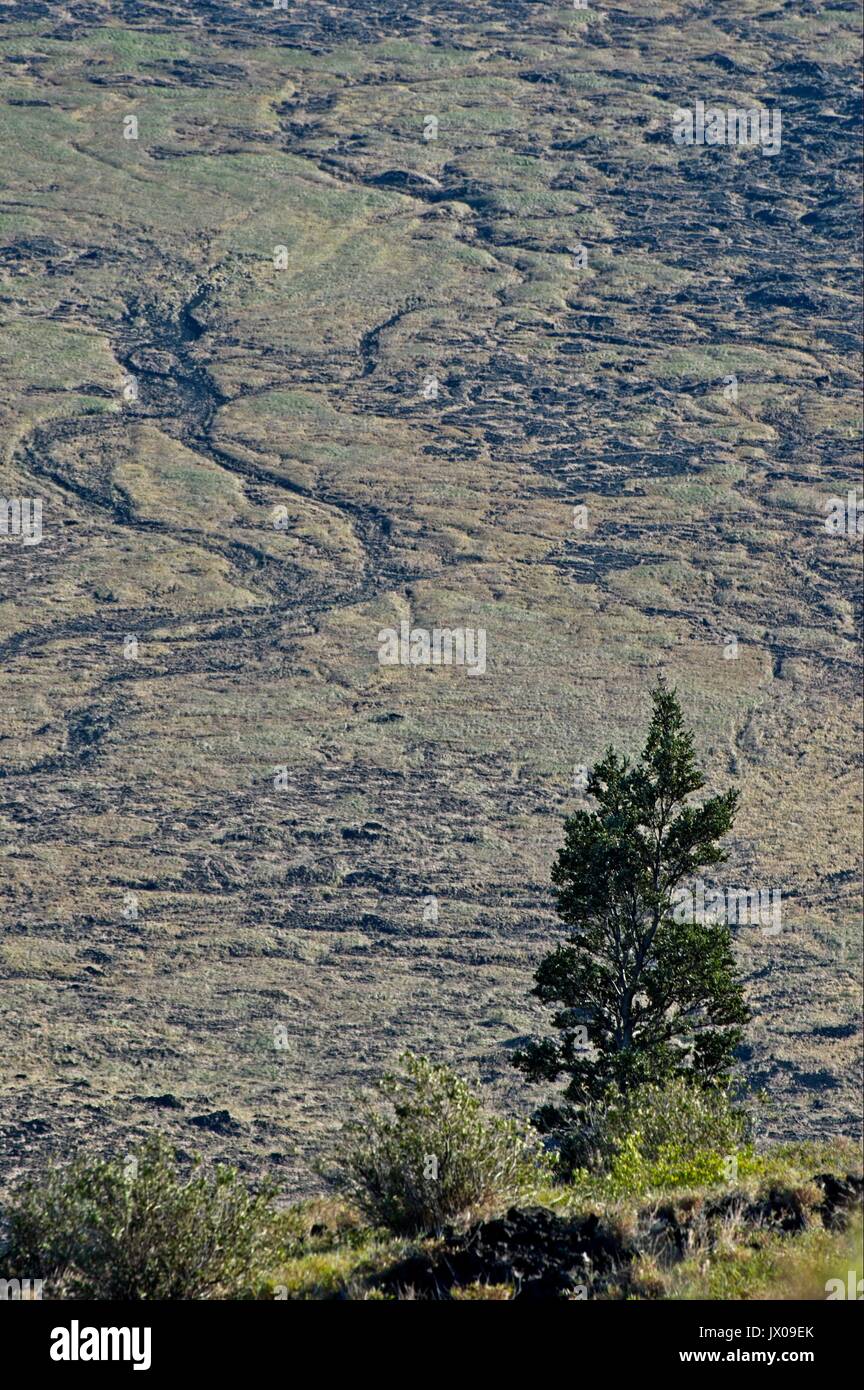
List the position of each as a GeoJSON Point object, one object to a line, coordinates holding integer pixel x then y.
{"type": "Point", "coordinates": [764, 1233]}
{"type": "Point", "coordinates": [672, 1135]}
{"type": "Point", "coordinates": [432, 1154]}
{"type": "Point", "coordinates": [233, 318]}
{"type": "Point", "coordinates": [116, 1231]}
{"type": "Point", "coordinates": [134, 1228]}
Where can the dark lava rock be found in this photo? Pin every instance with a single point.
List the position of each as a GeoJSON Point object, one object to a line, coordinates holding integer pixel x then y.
{"type": "Point", "coordinates": [153, 360]}
{"type": "Point", "coordinates": [723, 61]}
{"type": "Point", "coordinates": [36, 1126]}
{"type": "Point", "coordinates": [365, 877]}
{"type": "Point", "coordinates": [541, 1254]}
{"type": "Point", "coordinates": [779, 1208]}
{"type": "Point", "coordinates": [355, 832]}
{"type": "Point", "coordinates": [836, 1030]}
{"type": "Point", "coordinates": [96, 956]}
{"type": "Point", "coordinates": [411, 180]}
{"type": "Point", "coordinates": [167, 1102]}
{"type": "Point", "coordinates": [370, 921]}
{"type": "Point", "coordinates": [218, 1122]}
{"type": "Point", "coordinates": [667, 1235]}
{"type": "Point", "coordinates": [841, 1195]}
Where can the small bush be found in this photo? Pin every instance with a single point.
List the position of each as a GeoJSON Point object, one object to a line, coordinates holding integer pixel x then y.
{"type": "Point", "coordinates": [434, 1154]}
{"type": "Point", "coordinates": [673, 1166]}
{"type": "Point", "coordinates": [135, 1230]}
{"type": "Point", "coordinates": [672, 1128]}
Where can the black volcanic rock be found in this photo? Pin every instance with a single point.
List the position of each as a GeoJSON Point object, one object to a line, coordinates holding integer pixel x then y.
{"type": "Point", "coordinates": [841, 1196]}
{"type": "Point", "coordinates": [217, 1122]}
{"type": "Point", "coordinates": [542, 1255]}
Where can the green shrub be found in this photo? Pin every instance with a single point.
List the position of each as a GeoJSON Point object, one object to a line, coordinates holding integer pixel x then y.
{"type": "Point", "coordinates": [434, 1154]}
{"type": "Point", "coordinates": [673, 1166]}
{"type": "Point", "coordinates": [135, 1230]}
{"type": "Point", "coordinates": [671, 1126]}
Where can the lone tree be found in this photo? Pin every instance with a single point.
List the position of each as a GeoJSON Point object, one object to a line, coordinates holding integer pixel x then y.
{"type": "Point", "coordinates": [657, 997]}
